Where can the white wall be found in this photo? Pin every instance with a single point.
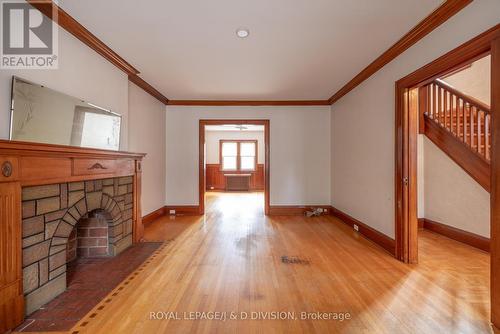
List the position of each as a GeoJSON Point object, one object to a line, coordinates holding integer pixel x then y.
{"type": "Point", "coordinates": [299, 151]}
{"type": "Point", "coordinates": [451, 196]}
{"type": "Point", "coordinates": [147, 135]}
{"type": "Point", "coordinates": [82, 73]}
{"type": "Point", "coordinates": [474, 81]}
{"type": "Point", "coordinates": [212, 139]}
{"type": "Point", "coordinates": [363, 121]}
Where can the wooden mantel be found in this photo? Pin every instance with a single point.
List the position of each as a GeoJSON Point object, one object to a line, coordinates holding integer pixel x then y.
{"type": "Point", "coordinates": [28, 164]}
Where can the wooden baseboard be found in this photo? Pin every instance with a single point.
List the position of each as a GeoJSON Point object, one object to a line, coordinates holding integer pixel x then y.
{"type": "Point", "coordinates": [186, 210]}
{"type": "Point", "coordinates": [377, 237]}
{"type": "Point", "coordinates": [153, 215]}
{"type": "Point", "coordinates": [295, 210]}
{"type": "Point", "coordinates": [457, 234]}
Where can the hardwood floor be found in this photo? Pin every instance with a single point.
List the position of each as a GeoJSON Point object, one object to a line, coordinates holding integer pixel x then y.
{"type": "Point", "coordinates": [231, 261]}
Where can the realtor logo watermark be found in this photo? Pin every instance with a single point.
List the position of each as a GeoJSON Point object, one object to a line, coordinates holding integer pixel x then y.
{"type": "Point", "coordinates": [29, 38]}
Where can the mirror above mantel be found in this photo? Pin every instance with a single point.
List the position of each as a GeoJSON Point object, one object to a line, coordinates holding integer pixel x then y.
{"type": "Point", "coordinates": [43, 115]}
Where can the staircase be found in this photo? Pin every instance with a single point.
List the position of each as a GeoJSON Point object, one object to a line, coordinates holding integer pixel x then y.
{"type": "Point", "coordinates": [459, 125]}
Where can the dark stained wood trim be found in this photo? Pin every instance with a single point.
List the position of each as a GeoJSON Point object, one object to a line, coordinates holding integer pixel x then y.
{"type": "Point", "coordinates": [201, 157]}
{"type": "Point", "coordinates": [495, 184]}
{"type": "Point", "coordinates": [185, 210]}
{"type": "Point", "coordinates": [247, 103]}
{"type": "Point", "coordinates": [431, 22]}
{"type": "Point", "coordinates": [457, 234]}
{"type": "Point", "coordinates": [295, 210]}
{"type": "Point", "coordinates": [405, 161]}
{"type": "Point", "coordinates": [472, 163]}
{"type": "Point", "coordinates": [150, 217]}
{"type": "Point", "coordinates": [67, 22]}
{"type": "Point", "coordinates": [370, 233]}
{"type": "Point", "coordinates": [28, 148]}
{"type": "Point", "coordinates": [148, 88]}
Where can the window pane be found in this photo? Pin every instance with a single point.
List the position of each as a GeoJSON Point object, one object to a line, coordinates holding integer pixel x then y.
{"type": "Point", "coordinates": [228, 163]}
{"type": "Point", "coordinates": [247, 149]}
{"type": "Point", "coordinates": [229, 149]}
{"type": "Point", "coordinates": [248, 163]}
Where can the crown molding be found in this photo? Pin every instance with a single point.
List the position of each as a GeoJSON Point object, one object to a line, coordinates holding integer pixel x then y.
{"type": "Point", "coordinates": [68, 23]}
{"type": "Point", "coordinates": [247, 103]}
{"type": "Point", "coordinates": [431, 22]}
{"type": "Point", "coordinates": [148, 88]}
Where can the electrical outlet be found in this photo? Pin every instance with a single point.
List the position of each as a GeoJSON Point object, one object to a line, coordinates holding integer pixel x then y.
{"type": "Point", "coordinates": [172, 212]}
{"type": "Point", "coordinates": [356, 227]}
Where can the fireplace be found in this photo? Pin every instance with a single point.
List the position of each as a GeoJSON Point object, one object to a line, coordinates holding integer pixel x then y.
{"type": "Point", "coordinates": [52, 213]}
{"type": "Point", "coordinates": [58, 203]}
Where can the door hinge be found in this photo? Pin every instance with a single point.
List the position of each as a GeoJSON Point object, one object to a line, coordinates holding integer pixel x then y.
{"type": "Point", "coordinates": [405, 181]}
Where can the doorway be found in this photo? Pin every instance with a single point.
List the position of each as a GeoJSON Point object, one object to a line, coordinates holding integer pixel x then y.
{"type": "Point", "coordinates": [233, 159]}
{"type": "Point", "coordinates": [406, 126]}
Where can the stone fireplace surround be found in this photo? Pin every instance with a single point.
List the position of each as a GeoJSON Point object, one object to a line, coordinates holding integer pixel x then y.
{"type": "Point", "coordinates": [51, 212]}
{"type": "Point", "coordinates": [45, 190]}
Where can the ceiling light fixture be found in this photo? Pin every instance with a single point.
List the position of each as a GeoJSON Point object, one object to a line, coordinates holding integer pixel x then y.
{"type": "Point", "coordinates": [242, 33]}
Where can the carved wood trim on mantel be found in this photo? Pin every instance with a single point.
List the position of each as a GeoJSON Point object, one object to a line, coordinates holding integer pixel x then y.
{"type": "Point", "coordinates": [27, 164]}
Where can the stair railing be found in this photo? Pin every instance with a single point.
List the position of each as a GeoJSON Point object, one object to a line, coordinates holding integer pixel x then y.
{"type": "Point", "coordinates": [464, 116]}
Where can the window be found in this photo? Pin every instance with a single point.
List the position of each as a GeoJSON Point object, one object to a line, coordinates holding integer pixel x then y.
{"type": "Point", "coordinates": [238, 155]}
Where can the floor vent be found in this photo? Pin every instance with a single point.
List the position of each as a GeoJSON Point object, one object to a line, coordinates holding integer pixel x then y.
{"type": "Point", "coordinates": [294, 260]}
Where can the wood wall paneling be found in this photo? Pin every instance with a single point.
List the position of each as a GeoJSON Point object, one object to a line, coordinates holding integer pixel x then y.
{"type": "Point", "coordinates": [11, 290]}
{"type": "Point", "coordinates": [215, 179]}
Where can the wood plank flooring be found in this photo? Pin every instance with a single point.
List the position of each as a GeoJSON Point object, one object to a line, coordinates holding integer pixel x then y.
{"type": "Point", "coordinates": [231, 261]}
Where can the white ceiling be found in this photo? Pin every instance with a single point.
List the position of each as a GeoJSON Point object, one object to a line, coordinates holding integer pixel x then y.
{"type": "Point", "coordinates": [235, 127]}
{"type": "Point", "coordinates": [297, 49]}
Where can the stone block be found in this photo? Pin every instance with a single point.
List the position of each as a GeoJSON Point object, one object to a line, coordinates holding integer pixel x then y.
{"type": "Point", "coordinates": [89, 186]}
{"type": "Point", "coordinates": [50, 228]}
{"type": "Point", "coordinates": [59, 241]}
{"type": "Point", "coordinates": [122, 189]}
{"type": "Point", "coordinates": [94, 201]}
{"type": "Point", "coordinates": [38, 192]}
{"type": "Point", "coordinates": [81, 206]}
{"type": "Point", "coordinates": [129, 198]}
{"type": "Point", "coordinates": [43, 268]}
{"type": "Point", "coordinates": [125, 180]}
{"type": "Point", "coordinates": [55, 215]}
{"type": "Point", "coordinates": [53, 274]}
{"type": "Point", "coordinates": [47, 205]}
{"type": "Point", "coordinates": [30, 278]}
{"type": "Point", "coordinates": [121, 245]}
{"type": "Point", "coordinates": [56, 249]}
{"type": "Point", "coordinates": [74, 197]}
{"type": "Point", "coordinates": [108, 182]}
{"type": "Point", "coordinates": [63, 229]}
{"type": "Point", "coordinates": [68, 218]}
{"type": "Point", "coordinates": [32, 226]}
{"type": "Point", "coordinates": [28, 209]}
{"type": "Point", "coordinates": [35, 253]}
{"type": "Point", "coordinates": [56, 260]}
{"type": "Point", "coordinates": [130, 188]}
{"type": "Point", "coordinates": [43, 295]}
{"type": "Point", "coordinates": [127, 214]}
{"type": "Point", "coordinates": [73, 186]}
{"type": "Point", "coordinates": [64, 195]}
{"type": "Point", "coordinates": [127, 227]}
{"type": "Point", "coordinates": [34, 239]}
{"type": "Point", "coordinates": [98, 185]}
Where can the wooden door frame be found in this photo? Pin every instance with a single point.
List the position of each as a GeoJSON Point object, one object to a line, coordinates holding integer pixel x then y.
{"type": "Point", "coordinates": [201, 165]}
{"type": "Point", "coordinates": [406, 225]}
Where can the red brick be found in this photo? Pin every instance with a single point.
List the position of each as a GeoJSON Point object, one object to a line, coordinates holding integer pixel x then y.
{"type": "Point", "coordinates": [98, 251]}
{"type": "Point", "coordinates": [98, 232]}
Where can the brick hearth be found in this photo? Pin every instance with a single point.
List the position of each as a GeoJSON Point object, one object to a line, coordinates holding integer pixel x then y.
{"type": "Point", "coordinates": [50, 214]}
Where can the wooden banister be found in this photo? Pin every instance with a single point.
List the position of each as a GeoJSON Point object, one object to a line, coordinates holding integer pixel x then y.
{"type": "Point", "coordinates": [469, 99]}
{"type": "Point", "coordinates": [461, 115]}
